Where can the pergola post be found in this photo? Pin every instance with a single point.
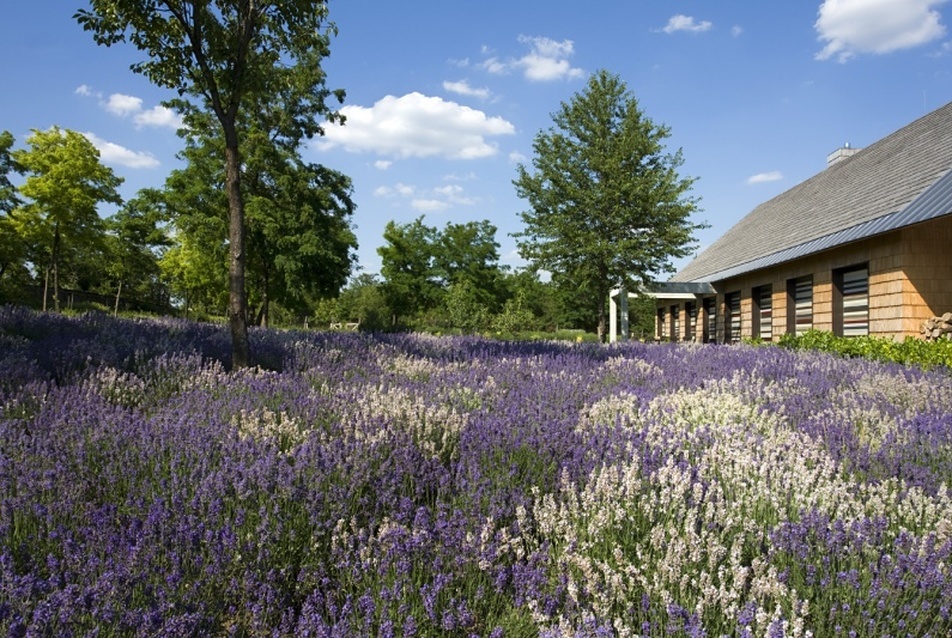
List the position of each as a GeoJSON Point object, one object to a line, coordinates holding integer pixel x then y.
{"type": "Point", "coordinates": [614, 309]}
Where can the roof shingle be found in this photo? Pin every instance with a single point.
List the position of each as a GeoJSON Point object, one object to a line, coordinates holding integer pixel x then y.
{"type": "Point", "coordinates": [879, 181]}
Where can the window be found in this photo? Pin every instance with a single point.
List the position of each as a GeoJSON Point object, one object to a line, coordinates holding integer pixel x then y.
{"type": "Point", "coordinates": [710, 319]}
{"type": "Point", "coordinates": [799, 305]}
{"type": "Point", "coordinates": [851, 301]}
{"type": "Point", "coordinates": [662, 324]}
{"type": "Point", "coordinates": [732, 315]}
{"type": "Point", "coordinates": [763, 312]}
{"type": "Point", "coordinates": [675, 323]}
{"type": "Point", "coordinates": [690, 311]}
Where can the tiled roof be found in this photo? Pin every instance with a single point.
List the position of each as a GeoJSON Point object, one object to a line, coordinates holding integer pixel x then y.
{"type": "Point", "coordinates": [902, 179]}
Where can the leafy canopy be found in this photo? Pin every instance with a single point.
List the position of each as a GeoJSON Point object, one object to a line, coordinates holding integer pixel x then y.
{"type": "Point", "coordinates": [240, 60]}
{"type": "Point", "coordinates": [607, 204]}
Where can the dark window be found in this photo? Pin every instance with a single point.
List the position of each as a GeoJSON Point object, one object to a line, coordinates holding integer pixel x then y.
{"type": "Point", "coordinates": [851, 301]}
{"type": "Point", "coordinates": [675, 323]}
{"type": "Point", "coordinates": [662, 324]}
{"type": "Point", "coordinates": [732, 315]}
{"type": "Point", "coordinates": [710, 320]}
{"type": "Point", "coordinates": [799, 305]}
{"type": "Point", "coordinates": [690, 310]}
{"type": "Point", "coordinates": [763, 312]}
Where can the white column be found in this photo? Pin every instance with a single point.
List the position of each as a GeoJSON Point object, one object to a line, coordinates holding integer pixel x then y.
{"type": "Point", "coordinates": [624, 313]}
{"type": "Point", "coordinates": [612, 317]}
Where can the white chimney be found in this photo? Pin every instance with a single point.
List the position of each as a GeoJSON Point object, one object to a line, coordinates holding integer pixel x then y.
{"type": "Point", "coordinates": [841, 154]}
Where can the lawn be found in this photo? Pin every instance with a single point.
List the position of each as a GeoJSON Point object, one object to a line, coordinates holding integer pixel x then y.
{"type": "Point", "coordinates": [407, 485]}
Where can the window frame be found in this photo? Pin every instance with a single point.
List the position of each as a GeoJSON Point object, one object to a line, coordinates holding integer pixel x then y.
{"type": "Point", "coordinates": [797, 308]}
{"type": "Point", "coordinates": [851, 301]}
{"type": "Point", "coordinates": [762, 313]}
{"type": "Point", "coordinates": [732, 317]}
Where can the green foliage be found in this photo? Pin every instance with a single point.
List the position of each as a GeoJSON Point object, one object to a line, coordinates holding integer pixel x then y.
{"type": "Point", "coordinates": [468, 253]}
{"type": "Point", "coordinates": [607, 205]}
{"type": "Point", "coordinates": [411, 284]}
{"type": "Point", "coordinates": [135, 242]}
{"type": "Point", "coordinates": [910, 351]}
{"type": "Point", "coordinates": [237, 62]}
{"type": "Point", "coordinates": [8, 166]}
{"type": "Point", "coordinates": [361, 301]}
{"type": "Point", "coordinates": [421, 265]}
{"type": "Point", "coordinates": [515, 316]}
{"type": "Point", "coordinates": [65, 183]}
{"type": "Point", "coordinates": [465, 309]}
{"type": "Point", "coordinates": [299, 240]}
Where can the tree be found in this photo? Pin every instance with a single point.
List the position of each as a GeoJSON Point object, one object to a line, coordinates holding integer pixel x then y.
{"type": "Point", "coordinates": [8, 192]}
{"type": "Point", "coordinates": [469, 254]}
{"type": "Point", "coordinates": [608, 207]}
{"type": "Point", "coordinates": [465, 308]}
{"type": "Point", "coordinates": [12, 250]}
{"type": "Point", "coordinates": [65, 183]}
{"type": "Point", "coordinates": [363, 300]}
{"type": "Point", "coordinates": [135, 238]}
{"type": "Point", "coordinates": [411, 281]}
{"type": "Point", "coordinates": [299, 242]}
{"type": "Point", "coordinates": [236, 58]}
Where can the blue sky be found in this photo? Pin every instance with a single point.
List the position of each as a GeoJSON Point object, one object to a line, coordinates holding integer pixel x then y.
{"type": "Point", "coordinates": [445, 97]}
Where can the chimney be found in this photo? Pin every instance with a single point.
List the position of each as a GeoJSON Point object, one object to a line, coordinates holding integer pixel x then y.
{"type": "Point", "coordinates": [841, 154]}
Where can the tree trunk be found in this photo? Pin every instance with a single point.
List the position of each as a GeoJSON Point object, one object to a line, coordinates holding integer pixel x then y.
{"type": "Point", "coordinates": [237, 298]}
{"type": "Point", "coordinates": [54, 258]}
{"type": "Point", "coordinates": [46, 285]}
{"type": "Point", "coordinates": [265, 317]}
{"type": "Point", "coordinates": [602, 321]}
{"type": "Point", "coordinates": [115, 310]}
{"type": "Point", "coordinates": [602, 291]}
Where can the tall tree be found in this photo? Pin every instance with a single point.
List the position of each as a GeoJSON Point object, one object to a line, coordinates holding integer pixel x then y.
{"type": "Point", "coordinates": [468, 253]}
{"type": "Point", "coordinates": [233, 57]}
{"type": "Point", "coordinates": [8, 192]}
{"type": "Point", "coordinates": [135, 240]}
{"type": "Point", "coordinates": [608, 206]}
{"type": "Point", "coordinates": [65, 183]}
{"type": "Point", "coordinates": [411, 282]}
{"type": "Point", "coordinates": [12, 250]}
{"type": "Point", "coordinates": [299, 242]}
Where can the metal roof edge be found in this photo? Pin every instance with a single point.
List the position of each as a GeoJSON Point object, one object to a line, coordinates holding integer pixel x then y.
{"type": "Point", "coordinates": [934, 202]}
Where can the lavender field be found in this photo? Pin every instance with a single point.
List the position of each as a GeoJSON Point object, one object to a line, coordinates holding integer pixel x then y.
{"type": "Point", "coordinates": [404, 485]}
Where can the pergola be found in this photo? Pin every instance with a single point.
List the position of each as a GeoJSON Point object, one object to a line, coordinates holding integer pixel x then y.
{"type": "Point", "coordinates": [662, 291]}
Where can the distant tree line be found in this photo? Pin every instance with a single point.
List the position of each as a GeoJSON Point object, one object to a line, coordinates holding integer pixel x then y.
{"type": "Point", "coordinates": [167, 248]}
{"type": "Point", "coordinates": [607, 209]}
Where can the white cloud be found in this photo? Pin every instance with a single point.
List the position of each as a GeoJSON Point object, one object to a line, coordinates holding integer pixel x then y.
{"type": "Point", "coordinates": [851, 27]}
{"type": "Point", "coordinates": [760, 178]}
{"type": "Point", "coordinates": [453, 194]}
{"type": "Point", "coordinates": [416, 125]}
{"type": "Point", "coordinates": [382, 165]}
{"type": "Point", "coordinates": [736, 30]}
{"type": "Point", "coordinates": [398, 189]}
{"type": "Point", "coordinates": [432, 200]}
{"type": "Point", "coordinates": [123, 105]}
{"type": "Point", "coordinates": [546, 61]}
{"type": "Point", "coordinates": [516, 157]}
{"type": "Point", "coordinates": [111, 153]}
{"type": "Point", "coordinates": [454, 177]}
{"type": "Point", "coordinates": [429, 205]}
{"type": "Point", "coordinates": [159, 116]}
{"type": "Point", "coordinates": [681, 22]}
{"type": "Point", "coordinates": [463, 88]}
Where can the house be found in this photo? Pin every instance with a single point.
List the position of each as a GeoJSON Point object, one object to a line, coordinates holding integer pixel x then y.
{"type": "Point", "coordinates": [862, 248]}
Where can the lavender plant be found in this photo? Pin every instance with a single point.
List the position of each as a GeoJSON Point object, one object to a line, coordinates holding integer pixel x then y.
{"type": "Point", "coordinates": [406, 485]}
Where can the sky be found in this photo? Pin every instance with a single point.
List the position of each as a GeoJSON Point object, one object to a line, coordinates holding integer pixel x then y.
{"type": "Point", "coordinates": [445, 97]}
